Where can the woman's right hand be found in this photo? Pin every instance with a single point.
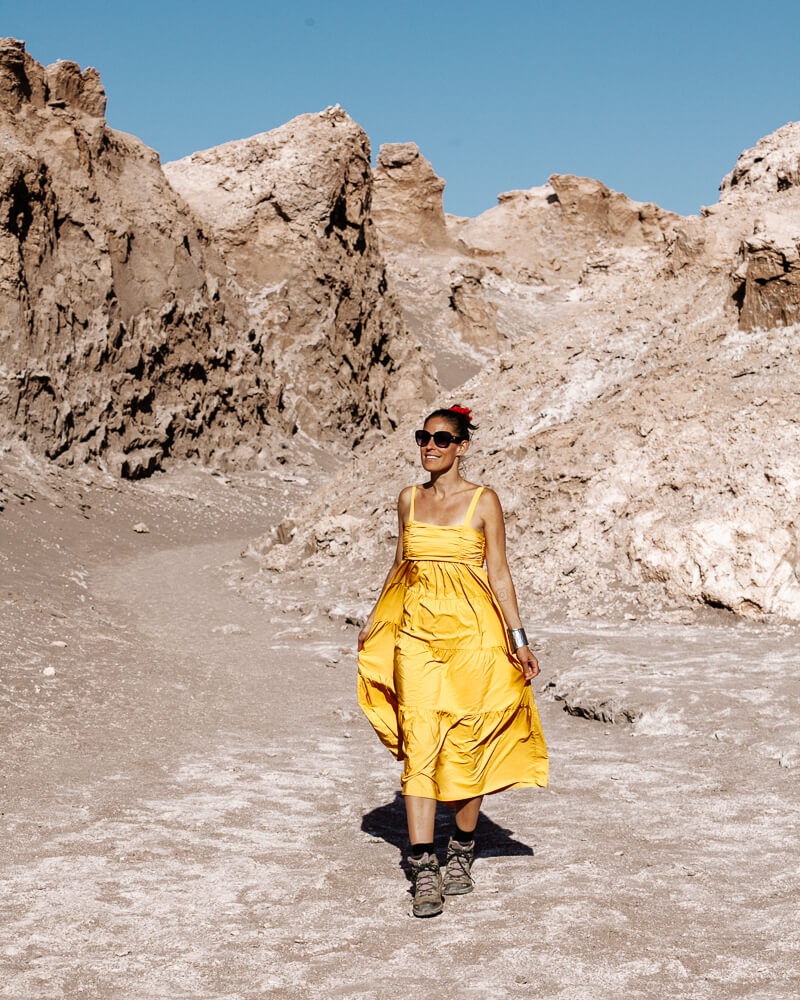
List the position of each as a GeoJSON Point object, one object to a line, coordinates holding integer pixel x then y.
{"type": "Point", "coordinates": [364, 633]}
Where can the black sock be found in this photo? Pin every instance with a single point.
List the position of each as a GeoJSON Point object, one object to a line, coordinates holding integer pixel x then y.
{"type": "Point", "coordinates": [417, 850]}
{"type": "Point", "coordinates": [462, 836]}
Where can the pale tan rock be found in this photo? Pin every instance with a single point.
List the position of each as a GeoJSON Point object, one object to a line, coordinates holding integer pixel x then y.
{"type": "Point", "coordinates": [289, 212]}
{"type": "Point", "coordinates": [476, 312]}
{"type": "Point", "coordinates": [769, 168]}
{"type": "Point", "coordinates": [438, 287]}
{"type": "Point", "coordinates": [634, 374]}
{"type": "Point", "coordinates": [472, 299]}
{"type": "Point", "coordinates": [642, 441]}
{"type": "Point", "coordinates": [128, 336]}
{"type": "Point", "coordinates": [745, 562]}
{"type": "Point", "coordinates": [407, 197]}
{"type": "Point", "coordinates": [548, 233]}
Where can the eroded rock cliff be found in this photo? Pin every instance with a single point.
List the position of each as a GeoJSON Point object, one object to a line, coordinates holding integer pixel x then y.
{"type": "Point", "coordinates": [289, 211]}
{"type": "Point", "coordinates": [118, 332]}
{"type": "Point", "coordinates": [641, 427]}
{"type": "Point", "coordinates": [127, 335]}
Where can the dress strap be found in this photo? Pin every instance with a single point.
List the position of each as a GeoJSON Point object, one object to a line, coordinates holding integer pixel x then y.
{"type": "Point", "coordinates": [411, 511]}
{"type": "Point", "coordinates": [471, 510]}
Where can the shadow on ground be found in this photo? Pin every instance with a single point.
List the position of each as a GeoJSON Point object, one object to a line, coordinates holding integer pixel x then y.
{"type": "Point", "coordinates": [389, 823]}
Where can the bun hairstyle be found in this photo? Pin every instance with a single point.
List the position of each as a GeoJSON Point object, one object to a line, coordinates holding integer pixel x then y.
{"type": "Point", "coordinates": [459, 416]}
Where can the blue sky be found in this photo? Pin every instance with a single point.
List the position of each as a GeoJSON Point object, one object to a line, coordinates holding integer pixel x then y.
{"type": "Point", "coordinates": [656, 100]}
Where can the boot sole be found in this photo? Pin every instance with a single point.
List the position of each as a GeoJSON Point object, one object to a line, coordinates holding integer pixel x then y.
{"type": "Point", "coordinates": [428, 909]}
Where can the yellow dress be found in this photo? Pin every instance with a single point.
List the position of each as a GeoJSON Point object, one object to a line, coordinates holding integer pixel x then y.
{"type": "Point", "coordinates": [437, 677]}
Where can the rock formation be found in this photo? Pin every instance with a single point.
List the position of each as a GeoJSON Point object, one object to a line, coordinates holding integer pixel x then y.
{"type": "Point", "coordinates": [407, 205]}
{"type": "Point", "coordinates": [289, 211]}
{"type": "Point", "coordinates": [114, 315]}
{"type": "Point", "coordinates": [763, 188]}
{"type": "Point", "coordinates": [558, 232]}
{"type": "Point", "coordinates": [634, 374]}
{"type": "Point", "coordinates": [642, 429]}
{"type": "Point", "coordinates": [126, 335]}
{"type": "Point", "coordinates": [470, 288]}
{"type": "Point", "coordinates": [435, 283]}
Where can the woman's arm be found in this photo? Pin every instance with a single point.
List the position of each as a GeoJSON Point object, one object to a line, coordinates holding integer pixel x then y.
{"type": "Point", "coordinates": [403, 509]}
{"type": "Point", "coordinates": [494, 530]}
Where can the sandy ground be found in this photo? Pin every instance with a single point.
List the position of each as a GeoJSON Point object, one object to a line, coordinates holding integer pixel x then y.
{"type": "Point", "coordinates": [193, 807]}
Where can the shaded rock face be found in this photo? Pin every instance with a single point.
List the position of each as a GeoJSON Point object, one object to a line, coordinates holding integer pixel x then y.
{"type": "Point", "coordinates": [763, 190]}
{"type": "Point", "coordinates": [120, 339]}
{"type": "Point", "coordinates": [289, 211]}
{"type": "Point", "coordinates": [114, 320]}
{"type": "Point", "coordinates": [767, 283]}
{"type": "Point", "coordinates": [127, 336]}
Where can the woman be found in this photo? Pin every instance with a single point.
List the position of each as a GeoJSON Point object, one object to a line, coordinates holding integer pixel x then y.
{"type": "Point", "coordinates": [443, 682]}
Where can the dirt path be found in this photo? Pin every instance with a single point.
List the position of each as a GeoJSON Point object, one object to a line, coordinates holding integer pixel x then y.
{"type": "Point", "coordinates": [206, 815]}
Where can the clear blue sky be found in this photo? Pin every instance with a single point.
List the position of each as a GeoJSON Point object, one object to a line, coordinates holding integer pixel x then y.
{"type": "Point", "coordinates": [655, 99]}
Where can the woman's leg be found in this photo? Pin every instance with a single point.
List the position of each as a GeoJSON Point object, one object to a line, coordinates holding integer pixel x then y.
{"type": "Point", "coordinates": [424, 865]}
{"type": "Point", "coordinates": [461, 849]}
{"type": "Point", "coordinates": [421, 815]}
{"type": "Point", "coordinates": [467, 811]}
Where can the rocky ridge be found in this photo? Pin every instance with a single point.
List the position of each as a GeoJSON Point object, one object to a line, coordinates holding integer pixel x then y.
{"type": "Point", "coordinates": [289, 211]}
{"type": "Point", "coordinates": [128, 336]}
{"type": "Point", "coordinates": [472, 288]}
{"type": "Point", "coordinates": [641, 431]}
{"type": "Point", "coordinates": [632, 371]}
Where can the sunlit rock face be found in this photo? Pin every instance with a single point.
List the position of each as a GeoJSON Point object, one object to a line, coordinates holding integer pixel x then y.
{"type": "Point", "coordinates": [633, 373]}
{"type": "Point", "coordinates": [131, 331]}
{"type": "Point", "coordinates": [637, 410]}
{"type": "Point", "coordinates": [289, 212]}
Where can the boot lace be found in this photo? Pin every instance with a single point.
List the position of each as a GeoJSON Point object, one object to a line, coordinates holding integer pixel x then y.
{"type": "Point", "coordinates": [458, 862]}
{"type": "Point", "coordinates": [425, 877]}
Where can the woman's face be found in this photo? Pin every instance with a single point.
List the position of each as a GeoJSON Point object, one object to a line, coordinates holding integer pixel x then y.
{"type": "Point", "coordinates": [435, 459]}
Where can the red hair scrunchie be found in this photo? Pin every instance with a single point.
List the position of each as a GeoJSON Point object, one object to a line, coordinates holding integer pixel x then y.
{"type": "Point", "coordinates": [462, 409]}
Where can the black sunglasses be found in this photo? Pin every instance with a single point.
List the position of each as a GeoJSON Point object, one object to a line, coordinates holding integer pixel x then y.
{"type": "Point", "coordinates": [442, 439]}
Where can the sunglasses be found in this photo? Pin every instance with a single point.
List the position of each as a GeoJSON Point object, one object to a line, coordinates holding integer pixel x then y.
{"type": "Point", "coordinates": [442, 439]}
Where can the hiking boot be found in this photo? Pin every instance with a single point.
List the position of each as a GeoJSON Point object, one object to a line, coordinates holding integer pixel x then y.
{"type": "Point", "coordinates": [457, 878]}
{"type": "Point", "coordinates": [427, 878]}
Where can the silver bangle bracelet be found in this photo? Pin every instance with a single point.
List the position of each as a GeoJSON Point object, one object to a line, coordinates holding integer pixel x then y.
{"type": "Point", "coordinates": [518, 637]}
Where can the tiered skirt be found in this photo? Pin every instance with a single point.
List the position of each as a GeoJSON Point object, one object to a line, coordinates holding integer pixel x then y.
{"type": "Point", "coordinates": [440, 685]}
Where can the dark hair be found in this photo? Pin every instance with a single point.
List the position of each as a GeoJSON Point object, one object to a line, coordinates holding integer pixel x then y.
{"type": "Point", "coordinates": [460, 419]}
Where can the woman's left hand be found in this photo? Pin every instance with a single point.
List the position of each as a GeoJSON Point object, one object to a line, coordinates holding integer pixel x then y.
{"type": "Point", "coordinates": [529, 663]}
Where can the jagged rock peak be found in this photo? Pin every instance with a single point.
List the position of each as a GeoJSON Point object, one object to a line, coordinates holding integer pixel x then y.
{"type": "Point", "coordinates": [407, 202]}
{"type": "Point", "coordinates": [62, 84]}
{"type": "Point", "coordinates": [299, 170]}
{"type": "Point", "coordinates": [289, 210]}
{"type": "Point", "coordinates": [769, 167]}
{"type": "Point", "coordinates": [589, 200]}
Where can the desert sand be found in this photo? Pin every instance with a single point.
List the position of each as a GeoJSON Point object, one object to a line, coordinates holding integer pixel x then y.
{"type": "Point", "coordinates": [193, 805]}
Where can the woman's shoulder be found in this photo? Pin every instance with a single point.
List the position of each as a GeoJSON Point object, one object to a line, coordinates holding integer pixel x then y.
{"type": "Point", "coordinates": [404, 499]}
{"type": "Point", "coordinates": [486, 491]}
{"type": "Point", "coordinates": [488, 500]}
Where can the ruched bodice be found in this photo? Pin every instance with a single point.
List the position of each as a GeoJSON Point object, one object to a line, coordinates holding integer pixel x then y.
{"type": "Point", "coordinates": [434, 542]}
{"type": "Point", "coordinates": [437, 676]}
